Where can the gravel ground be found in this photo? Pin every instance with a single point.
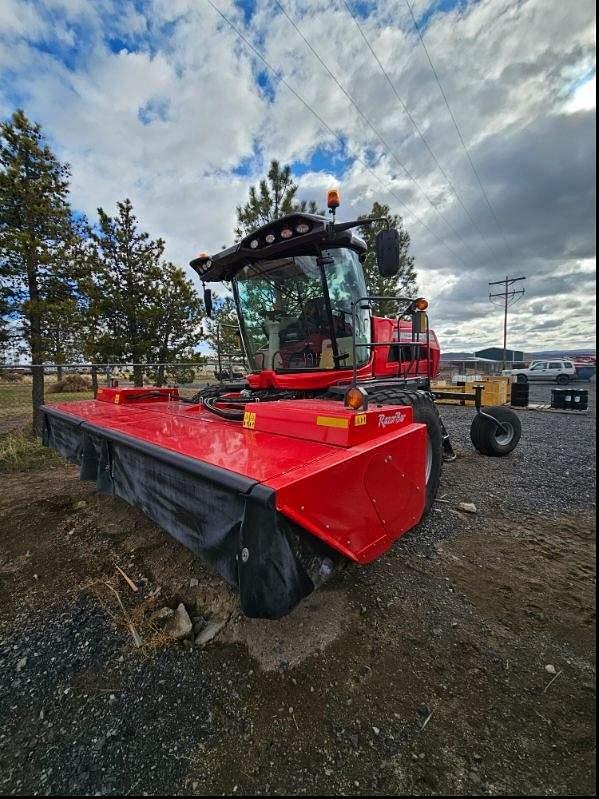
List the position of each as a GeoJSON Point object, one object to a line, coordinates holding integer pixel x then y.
{"type": "Point", "coordinates": [424, 673]}
{"type": "Point", "coordinates": [102, 722]}
{"type": "Point", "coordinates": [551, 471]}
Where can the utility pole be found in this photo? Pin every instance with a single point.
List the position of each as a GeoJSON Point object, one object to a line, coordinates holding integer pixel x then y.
{"type": "Point", "coordinates": [508, 296]}
{"type": "Point", "coordinates": [218, 355]}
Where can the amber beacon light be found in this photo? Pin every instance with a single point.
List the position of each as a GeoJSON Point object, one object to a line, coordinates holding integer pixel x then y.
{"type": "Point", "coordinates": [333, 199]}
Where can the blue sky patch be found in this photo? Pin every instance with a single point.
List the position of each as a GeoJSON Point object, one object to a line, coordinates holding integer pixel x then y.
{"type": "Point", "coordinates": [362, 8]}
{"type": "Point", "coordinates": [247, 166]}
{"type": "Point", "coordinates": [248, 8]}
{"type": "Point", "coordinates": [115, 44]}
{"type": "Point", "coordinates": [154, 111]}
{"type": "Point", "coordinates": [264, 79]}
{"type": "Point", "coordinates": [322, 160]}
{"type": "Point", "coordinates": [435, 8]}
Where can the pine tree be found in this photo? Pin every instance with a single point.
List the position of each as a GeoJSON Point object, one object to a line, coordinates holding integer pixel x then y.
{"type": "Point", "coordinates": [274, 197]}
{"type": "Point", "coordinates": [140, 308]}
{"type": "Point", "coordinates": [223, 331]}
{"type": "Point", "coordinates": [178, 326]}
{"type": "Point", "coordinates": [4, 330]}
{"type": "Point", "coordinates": [64, 305]}
{"type": "Point", "coordinates": [35, 222]}
{"type": "Point", "coordinates": [405, 282]}
{"type": "Point", "coordinates": [124, 289]}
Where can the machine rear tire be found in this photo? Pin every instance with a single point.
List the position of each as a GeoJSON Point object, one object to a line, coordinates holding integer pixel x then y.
{"type": "Point", "coordinates": [521, 379]}
{"type": "Point", "coordinates": [491, 440]}
{"type": "Point", "coordinates": [562, 380]}
{"type": "Point", "coordinates": [424, 411]}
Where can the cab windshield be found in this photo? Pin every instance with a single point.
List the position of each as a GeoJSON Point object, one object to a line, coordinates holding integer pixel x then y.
{"type": "Point", "coordinates": [296, 312]}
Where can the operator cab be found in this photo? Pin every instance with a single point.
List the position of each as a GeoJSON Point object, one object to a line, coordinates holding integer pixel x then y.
{"type": "Point", "coordinates": [297, 284]}
{"type": "Point", "coordinates": [302, 300]}
{"type": "Point", "coordinates": [296, 311]}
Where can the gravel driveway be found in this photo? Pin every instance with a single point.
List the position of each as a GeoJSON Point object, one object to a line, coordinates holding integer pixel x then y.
{"type": "Point", "coordinates": [462, 662]}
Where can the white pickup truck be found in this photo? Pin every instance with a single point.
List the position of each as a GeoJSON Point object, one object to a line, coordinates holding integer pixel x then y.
{"type": "Point", "coordinates": [560, 372]}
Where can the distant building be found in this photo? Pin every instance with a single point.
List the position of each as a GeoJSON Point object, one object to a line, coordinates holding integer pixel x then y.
{"type": "Point", "coordinates": [496, 354]}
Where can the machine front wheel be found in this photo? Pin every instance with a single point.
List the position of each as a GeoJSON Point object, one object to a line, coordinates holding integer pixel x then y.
{"type": "Point", "coordinates": [490, 438]}
{"type": "Point", "coordinates": [425, 411]}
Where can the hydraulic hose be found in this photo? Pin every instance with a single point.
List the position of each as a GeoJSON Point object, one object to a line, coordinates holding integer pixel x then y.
{"type": "Point", "coordinates": [231, 415]}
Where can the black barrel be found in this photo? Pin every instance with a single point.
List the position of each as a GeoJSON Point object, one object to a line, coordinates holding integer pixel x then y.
{"type": "Point", "coordinates": [520, 394]}
{"type": "Point", "coordinates": [577, 399]}
{"type": "Point", "coordinates": [570, 399]}
{"type": "Point", "coordinates": [558, 398]}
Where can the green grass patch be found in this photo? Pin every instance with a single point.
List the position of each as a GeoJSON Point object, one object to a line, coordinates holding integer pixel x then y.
{"type": "Point", "coordinates": [21, 451]}
{"type": "Point", "coordinates": [15, 400]}
{"type": "Point", "coordinates": [68, 396]}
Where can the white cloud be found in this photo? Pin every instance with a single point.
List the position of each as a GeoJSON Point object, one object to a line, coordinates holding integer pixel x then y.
{"type": "Point", "coordinates": [167, 115]}
{"type": "Point", "coordinates": [584, 97]}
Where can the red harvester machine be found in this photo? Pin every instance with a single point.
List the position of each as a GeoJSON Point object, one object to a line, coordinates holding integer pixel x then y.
{"type": "Point", "coordinates": [332, 448]}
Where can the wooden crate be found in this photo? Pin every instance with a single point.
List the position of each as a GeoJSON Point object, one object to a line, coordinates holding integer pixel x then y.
{"type": "Point", "coordinates": [496, 391]}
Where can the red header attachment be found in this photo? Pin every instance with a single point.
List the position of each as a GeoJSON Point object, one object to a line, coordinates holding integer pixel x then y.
{"type": "Point", "coordinates": [125, 396]}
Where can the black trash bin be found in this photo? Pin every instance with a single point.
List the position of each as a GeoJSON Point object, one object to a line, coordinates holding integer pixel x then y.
{"type": "Point", "coordinates": [570, 399]}
{"type": "Point", "coordinates": [578, 399]}
{"type": "Point", "coordinates": [520, 395]}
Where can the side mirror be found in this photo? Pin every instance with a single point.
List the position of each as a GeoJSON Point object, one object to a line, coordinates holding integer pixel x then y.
{"type": "Point", "coordinates": [419, 324]}
{"type": "Point", "coordinates": [387, 252]}
{"type": "Point", "coordinates": [208, 302]}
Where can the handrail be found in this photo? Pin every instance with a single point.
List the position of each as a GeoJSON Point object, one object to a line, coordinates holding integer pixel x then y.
{"type": "Point", "coordinates": [409, 309]}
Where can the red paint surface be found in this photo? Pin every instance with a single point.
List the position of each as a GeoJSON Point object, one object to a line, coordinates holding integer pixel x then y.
{"type": "Point", "coordinates": [357, 498]}
{"type": "Point", "coordinates": [315, 420]}
{"type": "Point", "coordinates": [119, 395]}
{"type": "Point", "coordinates": [379, 365]}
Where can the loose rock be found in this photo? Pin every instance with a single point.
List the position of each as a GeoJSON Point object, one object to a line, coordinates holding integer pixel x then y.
{"type": "Point", "coordinates": [179, 626]}
{"type": "Point", "coordinates": [210, 631]}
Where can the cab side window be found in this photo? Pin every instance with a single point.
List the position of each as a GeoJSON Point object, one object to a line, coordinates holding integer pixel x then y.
{"type": "Point", "coordinates": [403, 352]}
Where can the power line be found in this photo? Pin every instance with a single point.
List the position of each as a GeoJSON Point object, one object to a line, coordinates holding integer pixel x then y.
{"type": "Point", "coordinates": [327, 127]}
{"type": "Point", "coordinates": [375, 130]}
{"type": "Point", "coordinates": [508, 296]}
{"type": "Point", "coordinates": [415, 125]}
{"type": "Point", "coordinates": [459, 132]}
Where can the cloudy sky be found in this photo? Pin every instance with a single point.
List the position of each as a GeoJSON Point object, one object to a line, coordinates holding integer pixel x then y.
{"type": "Point", "coordinates": [162, 101]}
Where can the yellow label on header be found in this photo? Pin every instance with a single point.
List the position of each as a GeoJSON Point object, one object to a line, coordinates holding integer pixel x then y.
{"type": "Point", "coordinates": [249, 420]}
{"type": "Point", "coordinates": [332, 421]}
{"type": "Point", "coordinates": [360, 419]}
